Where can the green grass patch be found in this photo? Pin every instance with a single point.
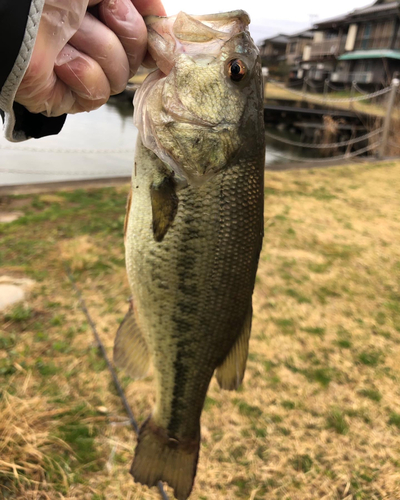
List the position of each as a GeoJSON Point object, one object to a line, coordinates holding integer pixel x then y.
{"type": "Point", "coordinates": [19, 314]}
{"type": "Point", "coordinates": [247, 410]}
{"type": "Point", "coordinates": [323, 376]}
{"type": "Point", "coordinates": [302, 463]}
{"type": "Point", "coordinates": [325, 294]}
{"type": "Point", "coordinates": [7, 340]}
{"type": "Point", "coordinates": [81, 439]}
{"type": "Point", "coordinates": [319, 268]}
{"type": "Point", "coordinates": [288, 405]}
{"type": "Point", "coordinates": [96, 360]}
{"type": "Point", "coordinates": [336, 421]}
{"type": "Point", "coordinates": [394, 419]}
{"type": "Point", "coordinates": [372, 394]}
{"type": "Point", "coordinates": [210, 403]}
{"type": "Point", "coordinates": [46, 368]}
{"type": "Point", "coordinates": [317, 331]}
{"type": "Point", "coordinates": [61, 346]}
{"type": "Point", "coordinates": [298, 296]}
{"type": "Point", "coordinates": [370, 357]}
{"type": "Point", "coordinates": [259, 432]}
{"type": "Point", "coordinates": [286, 325]}
{"type": "Point", "coordinates": [344, 343]}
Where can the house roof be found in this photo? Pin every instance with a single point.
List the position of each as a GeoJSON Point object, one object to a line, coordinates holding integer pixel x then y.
{"type": "Point", "coordinates": [280, 38]}
{"type": "Point", "coordinates": [370, 54]}
{"type": "Point", "coordinates": [331, 21]}
{"type": "Point", "coordinates": [302, 34]}
{"type": "Point", "coordinates": [375, 8]}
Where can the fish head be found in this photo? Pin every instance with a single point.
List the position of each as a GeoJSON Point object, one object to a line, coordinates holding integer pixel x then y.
{"type": "Point", "coordinates": [196, 110]}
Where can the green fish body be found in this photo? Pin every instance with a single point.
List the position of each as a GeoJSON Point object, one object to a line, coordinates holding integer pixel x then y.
{"type": "Point", "coordinates": [193, 232]}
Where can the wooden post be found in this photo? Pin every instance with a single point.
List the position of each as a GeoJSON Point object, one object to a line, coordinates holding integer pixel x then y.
{"type": "Point", "coordinates": [265, 77]}
{"type": "Point", "coordinates": [304, 90]}
{"type": "Point", "coordinates": [388, 118]}
{"type": "Point", "coordinates": [326, 88]}
{"type": "Point", "coordinates": [353, 88]}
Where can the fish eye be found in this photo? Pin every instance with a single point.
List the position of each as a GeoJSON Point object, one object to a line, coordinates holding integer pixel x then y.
{"type": "Point", "coordinates": [237, 70]}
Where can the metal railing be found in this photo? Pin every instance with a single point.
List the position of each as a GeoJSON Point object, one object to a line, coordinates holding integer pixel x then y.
{"type": "Point", "coordinates": [382, 143]}
{"type": "Point", "coordinates": [330, 47]}
{"type": "Point", "coordinates": [357, 76]}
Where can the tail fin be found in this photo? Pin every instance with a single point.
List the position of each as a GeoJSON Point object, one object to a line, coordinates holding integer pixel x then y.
{"type": "Point", "coordinates": [161, 458]}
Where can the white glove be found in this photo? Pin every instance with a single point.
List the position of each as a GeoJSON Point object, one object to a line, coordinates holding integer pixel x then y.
{"type": "Point", "coordinates": [85, 51]}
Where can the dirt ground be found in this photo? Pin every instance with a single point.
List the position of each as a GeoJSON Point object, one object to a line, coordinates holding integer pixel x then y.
{"type": "Point", "coordinates": [318, 415]}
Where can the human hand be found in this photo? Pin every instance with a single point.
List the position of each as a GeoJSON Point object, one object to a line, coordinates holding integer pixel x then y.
{"type": "Point", "coordinates": [85, 51]}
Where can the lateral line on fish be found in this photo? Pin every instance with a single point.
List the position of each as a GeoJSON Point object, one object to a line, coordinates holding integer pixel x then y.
{"type": "Point", "coordinates": [110, 367]}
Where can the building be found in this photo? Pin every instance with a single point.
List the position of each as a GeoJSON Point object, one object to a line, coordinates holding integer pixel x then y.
{"type": "Point", "coordinates": [282, 54]}
{"type": "Point", "coordinates": [362, 46]}
{"type": "Point", "coordinates": [296, 45]}
{"type": "Point", "coordinates": [273, 54]}
{"type": "Point", "coordinates": [274, 49]}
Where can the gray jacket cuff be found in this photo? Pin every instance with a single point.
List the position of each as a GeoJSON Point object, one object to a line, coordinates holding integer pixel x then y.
{"type": "Point", "coordinates": [13, 81]}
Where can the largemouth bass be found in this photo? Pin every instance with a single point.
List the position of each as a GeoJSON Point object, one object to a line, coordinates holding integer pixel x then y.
{"type": "Point", "coordinates": [193, 231]}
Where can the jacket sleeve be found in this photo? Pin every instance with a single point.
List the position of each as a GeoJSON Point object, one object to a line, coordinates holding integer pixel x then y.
{"type": "Point", "coordinates": [19, 23]}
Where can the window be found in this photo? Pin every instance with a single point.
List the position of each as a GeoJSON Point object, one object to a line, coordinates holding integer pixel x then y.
{"type": "Point", "coordinates": [329, 35]}
{"type": "Point", "coordinates": [365, 42]}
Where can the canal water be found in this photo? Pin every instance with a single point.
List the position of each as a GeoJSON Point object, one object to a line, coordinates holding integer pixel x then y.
{"type": "Point", "coordinates": [92, 145]}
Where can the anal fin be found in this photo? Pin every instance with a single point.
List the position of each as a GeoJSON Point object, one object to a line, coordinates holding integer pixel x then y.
{"type": "Point", "coordinates": [230, 372]}
{"type": "Point", "coordinates": [130, 348]}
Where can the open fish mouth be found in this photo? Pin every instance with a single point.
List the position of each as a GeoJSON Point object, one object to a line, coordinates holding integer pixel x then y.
{"type": "Point", "coordinates": [169, 37]}
{"type": "Point", "coordinates": [189, 111]}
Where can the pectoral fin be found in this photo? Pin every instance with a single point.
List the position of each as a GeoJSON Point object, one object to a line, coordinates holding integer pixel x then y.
{"type": "Point", "coordinates": [231, 372]}
{"type": "Point", "coordinates": [130, 348]}
{"type": "Point", "coordinates": [164, 204]}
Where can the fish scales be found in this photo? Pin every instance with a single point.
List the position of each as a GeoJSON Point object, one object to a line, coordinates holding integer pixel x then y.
{"type": "Point", "coordinates": [196, 283]}
{"type": "Point", "coordinates": [193, 231]}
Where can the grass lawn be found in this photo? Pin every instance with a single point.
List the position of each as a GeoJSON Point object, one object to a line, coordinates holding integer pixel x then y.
{"type": "Point", "coordinates": [318, 415]}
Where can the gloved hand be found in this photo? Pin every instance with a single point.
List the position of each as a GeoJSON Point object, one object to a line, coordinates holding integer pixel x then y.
{"type": "Point", "coordinates": [85, 51]}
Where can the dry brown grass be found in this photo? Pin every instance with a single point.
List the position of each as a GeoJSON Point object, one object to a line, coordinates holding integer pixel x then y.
{"type": "Point", "coordinates": [318, 416]}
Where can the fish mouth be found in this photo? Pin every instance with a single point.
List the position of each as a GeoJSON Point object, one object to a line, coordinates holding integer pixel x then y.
{"type": "Point", "coordinates": [169, 37]}
{"type": "Point", "coordinates": [221, 19]}
{"type": "Point", "coordinates": [194, 138]}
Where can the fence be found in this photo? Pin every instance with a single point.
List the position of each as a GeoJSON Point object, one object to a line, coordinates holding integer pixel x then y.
{"type": "Point", "coordinates": [382, 141]}
{"type": "Point", "coordinates": [381, 144]}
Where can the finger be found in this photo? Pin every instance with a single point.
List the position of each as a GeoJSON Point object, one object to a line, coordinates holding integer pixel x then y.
{"type": "Point", "coordinates": [98, 42]}
{"type": "Point", "coordinates": [84, 76]}
{"type": "Point", "coordinates": [85, 105]}
{"type": "Point", "coordinates": [126, 22]}
{"type": "Point", "coordinates": [149, 7]}
{"type": "Point", "coordinates": [60, 20]}
{"type": "Point", "coordinates": [51, 97]}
